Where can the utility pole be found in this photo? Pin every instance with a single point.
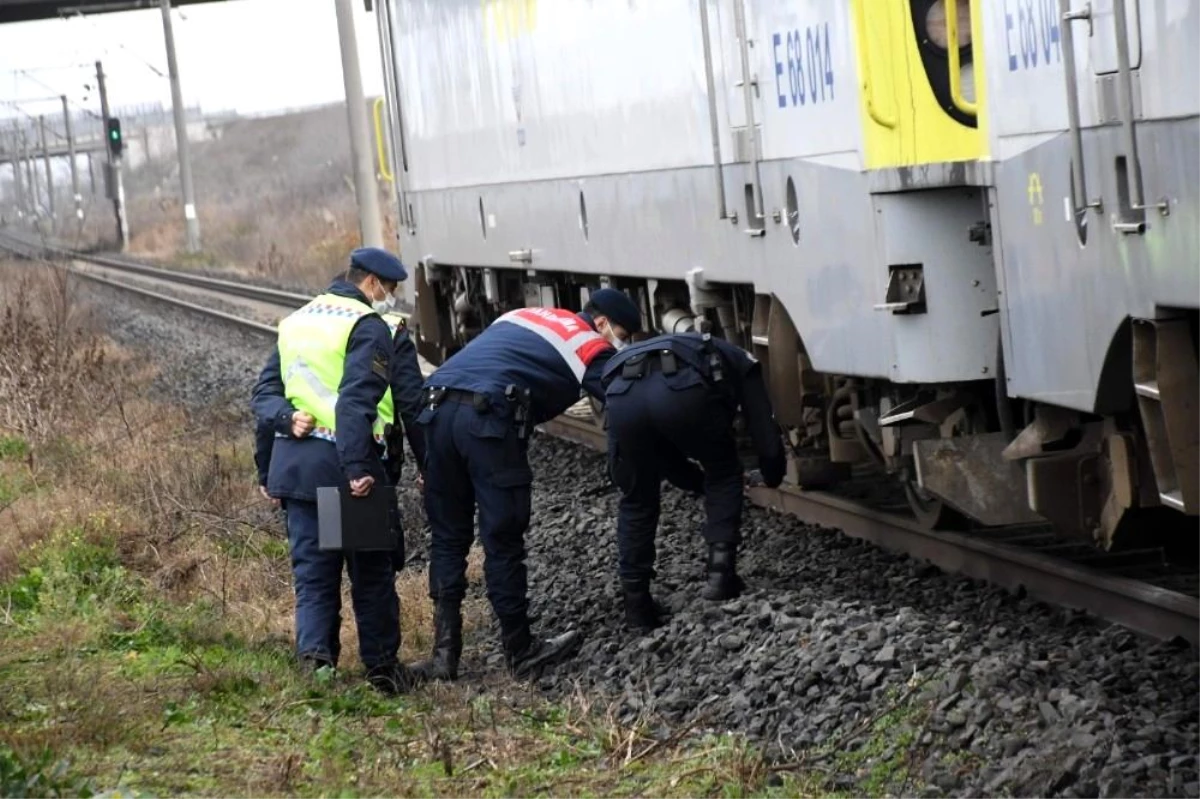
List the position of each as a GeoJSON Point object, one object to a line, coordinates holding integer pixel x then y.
{"type": "Point", "coordinates": [49, 172]}
{"type": "Point", "coordinates": [181, 139]}
{"type": "Point", "coordinates": [91, 173]}
{"type": "Point", "coordinates": [71, 154]}
{"type": "Point", "coordinates": [365, 189]}
{"type": "Point", "coordinates": [18, 181]}
{"type": "Point", "coordinates": [31, 166]}
{"type": "Point", "coordinates": [115, 185]}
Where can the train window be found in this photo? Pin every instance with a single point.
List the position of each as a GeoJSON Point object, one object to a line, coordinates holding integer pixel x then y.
{"type": "Point", "coordinates": [935, 24]}
{"type": "Point", "coordinates": [583, 222]}
{"type": "Point", "coordinates": [929, 25]}
{"type": "Point", "coordinates": [793, 211]}
{"type": "Point", "coordinates": [482, 219]}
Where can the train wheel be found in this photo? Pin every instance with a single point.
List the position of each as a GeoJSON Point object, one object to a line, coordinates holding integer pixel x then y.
{"type": "Point", "coordinates": [931, 512]}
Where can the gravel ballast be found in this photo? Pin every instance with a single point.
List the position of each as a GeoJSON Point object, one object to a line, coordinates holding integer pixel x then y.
{"type": "Point", "coordinates": [877, 671]}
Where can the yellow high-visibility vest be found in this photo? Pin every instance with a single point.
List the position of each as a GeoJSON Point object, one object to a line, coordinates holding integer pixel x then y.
{"type": "Point", "coordinates": [312, 358]}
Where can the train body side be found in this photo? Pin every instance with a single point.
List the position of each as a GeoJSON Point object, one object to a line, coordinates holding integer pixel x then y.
{"type": "Point", "coordinates": [1072, 276]}
{"type": "Point", "coordinates": [577, 135]}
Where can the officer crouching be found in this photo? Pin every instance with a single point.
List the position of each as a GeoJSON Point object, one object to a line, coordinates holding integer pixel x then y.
{"type": "Point", "coordinates": [672, 398]}
{"type": "Point", "coordinates": [326, 391]}
{"type": "Point", "coordinates": [527, 367]}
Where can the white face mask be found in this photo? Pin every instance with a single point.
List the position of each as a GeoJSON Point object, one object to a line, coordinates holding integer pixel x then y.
{"type": "Point", "coordinates": [611, 337]}
{"type": "Point", "coordinates": [385, 305]}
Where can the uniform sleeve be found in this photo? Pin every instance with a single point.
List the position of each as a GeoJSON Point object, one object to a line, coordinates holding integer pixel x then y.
{"type": "Point", "coordinates": [365, 379]}
{"type": "Point", "coordinates": [268, 400]}
{"type": "Point", "coordinates": [264, 444]}
{"type": "Point", "coordinates": [407, 392]}
{"type": "Point", "coordinates": [595, 371]}
{"type": "Point", "coordinates": [768, 438]}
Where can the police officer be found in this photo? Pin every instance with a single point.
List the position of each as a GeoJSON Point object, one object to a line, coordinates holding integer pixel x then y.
{"type": "Point", "coordinates": [525, 368]}
{"type": "Point", "coordinates": [672, 398]}
{"type": "Point", "coordinates": [326, 390]}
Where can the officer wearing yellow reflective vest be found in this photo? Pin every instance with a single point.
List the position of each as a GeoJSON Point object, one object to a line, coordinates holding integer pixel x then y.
{"type": "Point", "coordinates": [326, 391]}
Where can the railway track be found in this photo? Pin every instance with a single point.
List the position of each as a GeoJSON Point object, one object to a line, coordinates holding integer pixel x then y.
{"type": "Point", "coordinates": [1138, 590]}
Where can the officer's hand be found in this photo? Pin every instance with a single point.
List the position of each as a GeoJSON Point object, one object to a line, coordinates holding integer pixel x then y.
{"type": "Point", "coordinates": [421, 482]}
{"type": "Point", "coordinates": [361, 486]}
{"type": "Point", "coordinates": [263, 490]}
{"type": "Point", "coordinates": [302, 424]}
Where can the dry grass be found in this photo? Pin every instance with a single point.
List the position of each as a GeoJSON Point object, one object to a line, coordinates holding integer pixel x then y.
{"type": "Point", "coordinates": [145, 627]}
{"type": "Point", "coordinates": [275, 201]}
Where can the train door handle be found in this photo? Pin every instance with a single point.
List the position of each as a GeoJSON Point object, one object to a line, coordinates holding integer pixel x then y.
{"type": "Point", "coordinates": [1078, 176]}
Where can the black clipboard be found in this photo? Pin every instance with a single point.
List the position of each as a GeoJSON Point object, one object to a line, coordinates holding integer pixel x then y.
{"type": "Point", "coordinates": [357, 524]}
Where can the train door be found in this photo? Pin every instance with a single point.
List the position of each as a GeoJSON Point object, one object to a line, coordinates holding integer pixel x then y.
{"type": "Point", "coordinates": [1108, 33]}
{"type": "Point", "coordinates": [741, 53]}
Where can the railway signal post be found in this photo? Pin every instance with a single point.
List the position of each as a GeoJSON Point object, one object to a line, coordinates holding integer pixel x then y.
{"type": "Point", "coordinates": [114, 187]}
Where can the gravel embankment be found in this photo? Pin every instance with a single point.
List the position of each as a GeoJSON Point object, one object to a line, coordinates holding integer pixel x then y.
{"type": "Point", "coordinates": [874, 669]}
{"type": "Point", "coordinates": [202, 363]}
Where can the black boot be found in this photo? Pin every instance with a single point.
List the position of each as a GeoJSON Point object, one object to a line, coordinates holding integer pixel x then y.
{"type": "Point", "coordinates": [310, 664]}
{"type": "Point", "coordinates": [723, 581]}
{"type": "Point", "coordinates": [641, 611]}
{"type": "Point", "coordinates": [447, 644]}
{"type": "Point", "coordinates": [527, 656]}
{"type": "Point", "coordinates": [393, 678]}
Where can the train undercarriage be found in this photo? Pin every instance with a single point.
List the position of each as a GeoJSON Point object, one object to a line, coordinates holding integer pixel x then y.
{"type": "Point", "coordinates": [964, 454]}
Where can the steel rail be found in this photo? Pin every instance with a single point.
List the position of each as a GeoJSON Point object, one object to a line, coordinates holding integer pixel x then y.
{"type": "Point", "coordinates": [261, 293]}
{"type": "Point", "coordinates": [191, 306]}
{"type": "Point", "coordinates": [1139, 606]}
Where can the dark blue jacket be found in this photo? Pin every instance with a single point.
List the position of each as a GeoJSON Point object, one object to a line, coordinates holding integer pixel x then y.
{"type": "Point", "coordinates": [406, 390]}
{"type": "Point", "coordinates": [297, 467]}
{"type": "Point", "coordinates": [742, 383]}
{"type": "Point", "coordinates": [505, 354]}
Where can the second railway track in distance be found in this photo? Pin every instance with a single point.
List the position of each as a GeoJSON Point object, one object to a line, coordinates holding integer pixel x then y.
{"type": "Point", "coordinates": [1139, 590]}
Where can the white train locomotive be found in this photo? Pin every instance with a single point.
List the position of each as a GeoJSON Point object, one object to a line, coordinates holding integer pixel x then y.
{"type": "Point", "coordinates": [965, 246]}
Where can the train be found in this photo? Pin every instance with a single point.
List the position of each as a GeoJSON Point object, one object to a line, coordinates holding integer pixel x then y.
{"type": "Point", "coordinates": [963, 243]}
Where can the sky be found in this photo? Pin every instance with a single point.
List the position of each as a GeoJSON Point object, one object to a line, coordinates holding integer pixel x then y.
{"type": "Point", "coordinates": [252, 56]}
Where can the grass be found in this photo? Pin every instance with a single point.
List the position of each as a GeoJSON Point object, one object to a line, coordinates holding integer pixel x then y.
{"type": "Point", "coordinates": [145, 620]}
{"type": "Point", "coordinates": [142, 694]}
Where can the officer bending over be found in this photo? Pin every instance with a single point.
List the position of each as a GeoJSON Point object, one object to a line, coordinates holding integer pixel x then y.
{"type": "Point", "coordinates": [671, 398]}
{"type": "Point", "coordinates": [326, 391]}
{"type": "Point", "coordinates": [525, 368]}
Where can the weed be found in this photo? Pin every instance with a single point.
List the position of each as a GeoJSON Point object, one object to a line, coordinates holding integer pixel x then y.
{"type": "Point", "coordinates": [13, 448]}
{"type": "Point", "coordinates": [145, 617]}
{"type": "Point", "coordinates": [39, 775]}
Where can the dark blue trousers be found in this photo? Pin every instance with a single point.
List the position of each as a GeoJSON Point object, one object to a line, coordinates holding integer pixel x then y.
{"type": "Point", "coordinates": [477, 459]}
{"type": "Point", "coordinates": [317, 576]}
{"type": "Point", "coordinates": [653, 429]}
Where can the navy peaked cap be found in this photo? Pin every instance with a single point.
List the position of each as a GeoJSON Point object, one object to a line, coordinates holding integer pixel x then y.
{"type": "Point", "coordinates": [380, 263]}
{"type": "Point", "coordinates": [617, 306]}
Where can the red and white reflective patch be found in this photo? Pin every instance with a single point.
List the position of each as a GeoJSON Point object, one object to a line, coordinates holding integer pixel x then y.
{"type": "Point", "coordinates": [571, 337]}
